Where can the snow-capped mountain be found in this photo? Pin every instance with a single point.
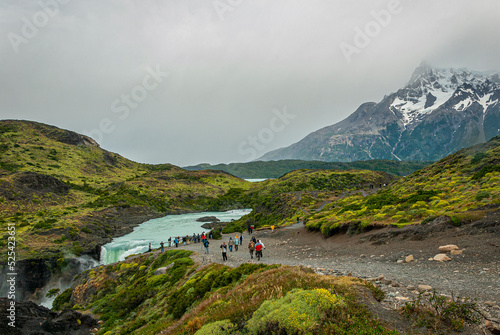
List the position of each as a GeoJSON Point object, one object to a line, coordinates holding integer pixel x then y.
{"type": "Point", "coordinates": [438, 112]}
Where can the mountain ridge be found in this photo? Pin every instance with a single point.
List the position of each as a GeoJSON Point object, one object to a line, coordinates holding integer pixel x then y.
{"type": "Point", "coordinates": [438, 112]}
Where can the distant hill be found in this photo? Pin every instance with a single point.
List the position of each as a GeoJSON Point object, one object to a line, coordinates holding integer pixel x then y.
{"type": "Point", "coordinates": [276, 169]}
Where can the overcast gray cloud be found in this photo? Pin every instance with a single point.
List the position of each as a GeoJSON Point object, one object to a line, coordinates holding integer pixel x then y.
{"type": "Point", "coordinates": [100, 66]}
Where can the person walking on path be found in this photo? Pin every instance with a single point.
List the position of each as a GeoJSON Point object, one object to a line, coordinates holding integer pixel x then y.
{"type": "Point", "coordinates": [176, 242]}
{"type": "Point", "coordinates": [169, 241]}
{"type": "Point", "coordinates": [251, 248]}
{"type": "Point", "coordinates": [203, 237]}
{"type": "Point", "coordinates": [263, 246]}
{"type": "Point", "coordinates": [162, 246]}
{"type": "Point", "coordinates": [258, 250]}
{"type": "Point", "coordinates": [231, 244]}
{"type": "Point", "coordinates": [236, 243]}
{"type": "Point", "coordinates": [254, 240]}
{"type": "Point", "coordinates": [224, 251]}
{"type": "Point", "coordinates": [149, 250]}
{"type": "Point", "coordinates": [205, 244]}
{"type": "Point", "coordinates": [241, 238]}
{"type": "Point", "coordinates": [272, 229]}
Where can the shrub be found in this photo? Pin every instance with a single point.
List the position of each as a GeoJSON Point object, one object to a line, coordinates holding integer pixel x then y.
{"type": "Point", "coordinates": [224, 327]}
{"type": "Point", "coordinates": [299, 311]}
{"type": "Point", "coordinates": [62, 301]}
{"type": "Point", "coordinates": [482, 195]}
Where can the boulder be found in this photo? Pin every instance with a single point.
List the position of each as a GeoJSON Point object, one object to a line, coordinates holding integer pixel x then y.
{"type": "Point", "coordinates": [447, 248]}
{"type": "Point", "coordinates": [409, 258]}
{"type": "Point", "coordinates": [208, 219]}
{"type": "Point", "coordinates": [163, 270]}
{"type": "Point", "coordinates": [491, 327]}
{"type": "Point", "coordinates": [456, 252]}
{"type": "Point", "coordinates": [442, 258]}
{"type": "Point", "coordinates": [424, 288]}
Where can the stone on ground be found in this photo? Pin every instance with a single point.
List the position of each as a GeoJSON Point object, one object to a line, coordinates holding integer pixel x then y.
{"type": "Point", "coordinates": [447, 248]}
{"type": "Point", "coordinates": [442, 258]}
{"type": "Point", "coordinates": [424, 288]}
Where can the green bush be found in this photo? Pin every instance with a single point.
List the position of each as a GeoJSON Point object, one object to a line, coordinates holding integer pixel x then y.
{"type": "Point", "coordinates": [482, 195]}
{"type": "Point", "coordinates": [62, 301]}
{"type": "Point", "coordinates": [224, 327]}
{"type": "Point", "coordinates": [299, 311]}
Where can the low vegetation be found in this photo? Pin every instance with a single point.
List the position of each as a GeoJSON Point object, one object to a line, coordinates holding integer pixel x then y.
{"type": "Point", "coordinates": [215, 299]}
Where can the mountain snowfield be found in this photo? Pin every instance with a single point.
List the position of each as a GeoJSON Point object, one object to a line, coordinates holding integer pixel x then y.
{"type": "Point", "coordinates": [438, 112]}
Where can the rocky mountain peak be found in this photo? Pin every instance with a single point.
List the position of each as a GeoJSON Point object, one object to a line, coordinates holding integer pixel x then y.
{"type": "Point", "coordinates": [439, 111]}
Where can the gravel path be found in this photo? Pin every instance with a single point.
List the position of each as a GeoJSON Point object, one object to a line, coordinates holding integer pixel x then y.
{"type": "Point", "coordinates": [475, 273]}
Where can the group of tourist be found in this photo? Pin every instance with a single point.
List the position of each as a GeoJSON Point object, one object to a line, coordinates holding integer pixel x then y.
{"type": "Point", "coordinates": [254, 245]}
{"type": "Point", "coordinates": [195, 238]}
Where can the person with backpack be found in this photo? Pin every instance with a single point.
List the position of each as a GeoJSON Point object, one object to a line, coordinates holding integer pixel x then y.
{"type": "Point", "coordinates": [223, 248]}
{"type": "Point", "coordinates": [251, 248]}
{"type": "Point", "coordinates": [162, 246]}
{"type": "Point", "coordinates": [205, 244]}
{"type": "Point", "coordinates": [258, 250]}
{"type": "Point", "coordinates": [236, 243]}
{"type": "Point", "coordinates": [231, 244]}
{"type": "Point", "coordinates": [176, 242]}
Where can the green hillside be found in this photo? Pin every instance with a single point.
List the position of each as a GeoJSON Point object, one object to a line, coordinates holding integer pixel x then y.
{"type": "Point", "coordinates": [64, 192]}
{"type": "Point", "coordinates": [276, 169]}
{"type": "Point", "coordinates": [463, 186]}
{"type": "Point", "coordinates": [295, 195]}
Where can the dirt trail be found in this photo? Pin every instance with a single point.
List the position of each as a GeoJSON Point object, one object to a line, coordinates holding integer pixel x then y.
{"type": "Point", "coordinates": [475, 273]}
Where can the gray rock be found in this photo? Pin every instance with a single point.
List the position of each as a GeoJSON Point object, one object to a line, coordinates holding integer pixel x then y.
{"type": "Point", "coordinates": [163, 270]}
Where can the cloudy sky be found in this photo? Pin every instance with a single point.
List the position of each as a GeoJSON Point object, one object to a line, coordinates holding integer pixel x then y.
{"type": "Point", "coordinates": [186, 82]}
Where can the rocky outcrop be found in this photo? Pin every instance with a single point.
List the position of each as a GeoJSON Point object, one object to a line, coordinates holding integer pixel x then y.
{"type": "Point", "coordinates": [208, 219]}
{"type": "Point", "coordinates": [31, 319]}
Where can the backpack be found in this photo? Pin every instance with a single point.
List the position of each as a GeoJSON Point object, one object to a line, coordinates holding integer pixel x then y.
{"type": "Point", "coordinates": [205, 243]}
{"type": "Point", "coordinates": [251, 245]}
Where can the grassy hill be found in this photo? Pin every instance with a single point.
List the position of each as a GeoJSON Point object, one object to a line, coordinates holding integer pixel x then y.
{"type": "Point", "coordinates": [276, 169]}
{"type": "Point", "coordinates": [463, 186]}
{"type": "Point", "coordinates": [65, 193]}
{"type": "Point", "coordinates": [295, 195]}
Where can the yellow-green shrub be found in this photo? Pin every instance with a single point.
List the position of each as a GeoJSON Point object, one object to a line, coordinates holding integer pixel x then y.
{"type": "Point", "coordinates": [300, 310]}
